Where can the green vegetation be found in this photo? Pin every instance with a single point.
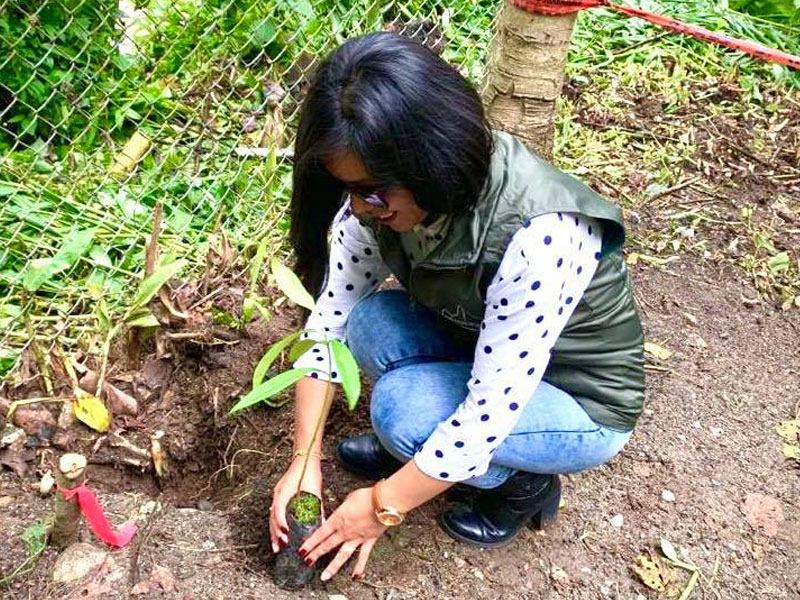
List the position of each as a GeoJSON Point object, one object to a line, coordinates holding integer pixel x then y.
{"type": "Point", "coordinates": [305, 508]}
{"type": "Point", "coordinates": [215, 86]}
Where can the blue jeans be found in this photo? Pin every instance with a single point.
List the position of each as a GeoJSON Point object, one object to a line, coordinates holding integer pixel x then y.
{"type": "Point", "coordinates": [420, 376]}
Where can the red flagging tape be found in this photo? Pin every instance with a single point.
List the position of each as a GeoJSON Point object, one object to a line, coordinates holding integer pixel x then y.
{"type": "Point", "coordinates": [91, 509]}
{"type": "Point", "coordinates": [562, 7]}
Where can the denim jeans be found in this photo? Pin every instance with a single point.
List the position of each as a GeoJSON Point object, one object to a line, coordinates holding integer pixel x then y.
{"type": "Point", "coordinates": [420, 376]}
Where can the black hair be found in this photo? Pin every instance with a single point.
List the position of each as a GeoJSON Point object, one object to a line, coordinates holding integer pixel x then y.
{"type": "Point", "coordinates": [410, 117]}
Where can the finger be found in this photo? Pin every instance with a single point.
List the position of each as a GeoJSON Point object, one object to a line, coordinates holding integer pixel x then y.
{"type": "Point", "coordinates": [363, 557]}
{"type": "Point", "coordinates": [345, 552]}
{"type": "Point", "coordinates": [328, 544]}
{"type": "Point", "coordinates": [326, 529]}
{"type": "Point", "coordinates": [277, 535]}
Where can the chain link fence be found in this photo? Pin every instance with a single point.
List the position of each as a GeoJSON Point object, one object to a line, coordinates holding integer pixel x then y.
{"type": "Point", "coordinates": [108, 108]}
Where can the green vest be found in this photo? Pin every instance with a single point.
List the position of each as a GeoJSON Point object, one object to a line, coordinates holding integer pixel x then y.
{"type": "Point", "coordinates": [598, 358]}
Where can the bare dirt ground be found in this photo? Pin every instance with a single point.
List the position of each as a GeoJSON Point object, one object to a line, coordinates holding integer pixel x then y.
{"type": "Point", "coordinates": [707, 437]}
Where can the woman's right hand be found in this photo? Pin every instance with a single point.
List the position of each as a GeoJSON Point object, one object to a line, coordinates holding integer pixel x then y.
{"type": "Point", "coordinates": [285, 489]}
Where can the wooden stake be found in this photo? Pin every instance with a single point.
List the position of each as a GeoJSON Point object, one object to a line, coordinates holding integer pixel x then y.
{"type": "Point", "coordinates": [71, 474]}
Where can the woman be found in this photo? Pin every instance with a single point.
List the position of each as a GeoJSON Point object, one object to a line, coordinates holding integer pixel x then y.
{"type": "Point", "coordinates": [514, 351]}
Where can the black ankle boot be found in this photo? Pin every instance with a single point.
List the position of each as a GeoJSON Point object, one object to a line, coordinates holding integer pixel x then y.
{"type": "Point", "coordinates": [365, 456]}
{"type": "Point", "coordinates": [499, 514]}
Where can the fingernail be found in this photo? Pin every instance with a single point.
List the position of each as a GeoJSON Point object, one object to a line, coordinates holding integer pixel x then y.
{"type": "Point", "coordinates": [302, 551]}
{"type": "Point", "coordinates": [325, 576]}
{"type": "Point", "coordinates": [275, 548]}
{"type": "Point", "coordinates": [307, 561]}
{"type": "Point", "coordinates": [356, 576]}
{"type": "Point", "coordinates": [285, 540]}
{"type": "Point", "coordinates": [284, 530]}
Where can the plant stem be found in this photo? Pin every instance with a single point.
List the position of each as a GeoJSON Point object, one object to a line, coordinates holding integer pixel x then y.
{"type": "Point", "coordinates": [106, 349]}
{"type": "Point", "coordinates": [320, 419]}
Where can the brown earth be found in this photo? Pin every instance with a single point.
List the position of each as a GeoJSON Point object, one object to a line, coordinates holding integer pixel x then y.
{"type": "Point", "coordinates": [707, 435]}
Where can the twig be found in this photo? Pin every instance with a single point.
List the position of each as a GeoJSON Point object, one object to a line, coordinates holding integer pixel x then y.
{"type": "Point", "coordinates": [151, 247]}
{"type": "Point", "coordinates": [687, 591]}
{"type": "Point", "coordinates": [674, 189]}
{"type": "Point", "coordinates": [213, 550]}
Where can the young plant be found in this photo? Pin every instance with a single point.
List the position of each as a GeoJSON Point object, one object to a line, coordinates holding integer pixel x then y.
{"type": "Point", "coordinates": [304, 510]}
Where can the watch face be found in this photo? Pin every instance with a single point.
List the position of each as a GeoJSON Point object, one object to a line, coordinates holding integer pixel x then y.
{"type": "Point", "coordinates": [390, 518]}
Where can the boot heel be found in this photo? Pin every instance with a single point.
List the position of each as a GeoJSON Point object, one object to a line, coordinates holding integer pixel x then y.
{"type": "Point", "coordinates": [549, 510]}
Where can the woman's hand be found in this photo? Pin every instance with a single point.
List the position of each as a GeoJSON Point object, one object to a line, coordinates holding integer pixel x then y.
{"type": "Point", "coordinates": [351, 526]}
{"type": "Point", "coordinates": [283, 492]}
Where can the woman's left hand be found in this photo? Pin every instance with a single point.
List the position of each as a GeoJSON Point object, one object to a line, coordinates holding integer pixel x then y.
{"type": "Point", "coordinates": [352, 526]}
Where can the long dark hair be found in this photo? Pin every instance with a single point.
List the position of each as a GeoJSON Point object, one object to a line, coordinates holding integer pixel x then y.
{"type": "Point", "coordinates": [411, 118]}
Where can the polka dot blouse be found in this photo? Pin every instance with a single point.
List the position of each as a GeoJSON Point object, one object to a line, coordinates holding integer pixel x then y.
{"type": "Point", "coordinates": [544, 272]}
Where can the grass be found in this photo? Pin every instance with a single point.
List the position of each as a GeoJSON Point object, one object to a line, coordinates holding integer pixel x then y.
{"type": "Point", "coordinates": [203, 85]}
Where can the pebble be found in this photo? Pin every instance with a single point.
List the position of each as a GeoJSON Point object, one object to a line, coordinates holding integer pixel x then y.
{"type": "Point", "coordinates": [46, 484]}
{"type": "Point", "coordinates": [617, 521]}
{"type": "Point", "coordinates": [77, 561]}
{"type": "Point", "coordinates": [478, 573]}
{"type": "Point", "coordinates": [205, 505]}
{"type": "Point", "coordinates": [668, 496]}
{"type": "Point", "coordinates": [6, 501]}
{"type": "Point", "coordinates": [337, 597]}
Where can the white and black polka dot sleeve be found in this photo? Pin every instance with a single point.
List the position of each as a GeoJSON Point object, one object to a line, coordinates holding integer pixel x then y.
{"type": "Point", "coordinates": [542, 277]}
{"type": "Point", "coordinates": [355, 268]}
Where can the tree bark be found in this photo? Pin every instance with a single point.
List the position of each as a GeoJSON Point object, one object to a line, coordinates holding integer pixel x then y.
{"type": "Point", "coordinates": [526, 73]}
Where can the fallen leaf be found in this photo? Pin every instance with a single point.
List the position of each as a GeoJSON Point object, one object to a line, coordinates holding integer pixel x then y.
{"type": "Point", "coordinates": [657, 351]}
{"type": "Point", "coordinates": [764, 513]}
{"type": "Point", "coordinates": [163, 578]}
{"type": "Point", "coordinates": [92, 411]}
{"type": "Point", "coordinates": [789, 430]}
{"type": "Point", "coordinates": [669, 550]}
{"type": "Point", "coordinates": [648, 569]}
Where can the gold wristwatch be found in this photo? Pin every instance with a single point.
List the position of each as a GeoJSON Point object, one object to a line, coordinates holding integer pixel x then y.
{"type": "Point", "coordinates": [387, 515]}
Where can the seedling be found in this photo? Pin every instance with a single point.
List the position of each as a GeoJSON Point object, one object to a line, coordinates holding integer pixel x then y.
{"type": "Point", "coordinates": [304, 510]}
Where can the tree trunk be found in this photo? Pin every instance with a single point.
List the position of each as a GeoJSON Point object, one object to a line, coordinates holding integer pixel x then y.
{"type": "Point", "coordinates": [526, 73]}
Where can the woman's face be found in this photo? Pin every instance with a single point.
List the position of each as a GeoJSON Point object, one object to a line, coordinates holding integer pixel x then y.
{"type": "Point", "coordinates": [401, 212]}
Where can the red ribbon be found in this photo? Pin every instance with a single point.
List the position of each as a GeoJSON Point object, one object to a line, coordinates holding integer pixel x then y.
{"type": "Point", "coordinates": [562, 7]}
{"type": "Point", "coordinates": [93, 511]}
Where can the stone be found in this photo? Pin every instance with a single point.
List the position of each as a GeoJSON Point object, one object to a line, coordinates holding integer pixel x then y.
{"type": "Point", "coordinates": [77, 561]}
{"type": "Point", "coordinates": [6, 501]}
{"type": "Point", "coordinates": [617, 521]}
{"type": "Point", "coordinates": [668, 496]}
{"type": "Point", "coordinates": [337, 597]}
{"type": "Point", "coordinates": [205, 505]}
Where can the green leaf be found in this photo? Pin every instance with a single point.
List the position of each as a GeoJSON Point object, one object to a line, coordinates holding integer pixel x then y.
{"type": "Point", "coordinates": [143, 318]}
{"type": "Point", "coordinates": [100, 257]}
{"type": "Point", "coordinates": [8, 359]}
{"type": "Point", "coordinates": [35, 537]}
{"type": "Point", "coordinates": [778, 263]}
{"type": "Point", "coordinates": [248, 307]}
{"type": "Point", "coordinates": [263, 33]}
{"type": "Point", "coordinates": [290, 285]}
{"type": "Point", "coordinates": [150, 286]}
{"type": "Point", "coordinates": [302, 7]}
{"type": "Point", "coordinates": [300, 348]}
{"type": "Point", "coordinates": [41, 270]}
{"type": "Point", "coordinates": [348, 371]}
{"type": "Point", "coordinates": [269, 388]}
{"type": "Point", "coordinates": [269, 357]}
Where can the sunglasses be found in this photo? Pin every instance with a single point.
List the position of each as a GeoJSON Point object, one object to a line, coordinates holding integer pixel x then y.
{"type": "Point", "coordinates": [374, 196]}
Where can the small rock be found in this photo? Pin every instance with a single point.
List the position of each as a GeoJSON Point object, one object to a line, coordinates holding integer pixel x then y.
{"type": "Point", "coordinates": [337, 597]}
{"type": "Point", "coordinates": [460, 562]}
{"type": "Point", "coordinates": [46, 484]}
{"type": "Point", "coordinates": [6, 501]}
{"type": "Point", "coordinates": [10, 435]}
{"type": "Point", "coordinates": [668, 496]}
{"type": "Point", "coordinates": [617, 521]}
{"type": "Point", "coordinates": [205, 505]}
{"type": "Point", "coordinates": [715, 431]}
{"type": "Point", "coordinates": [77, 561]}
{"type": "Point", "coordinates": [559, 575]}
{"type": "Point", "coordinates": [478, 573]}
{"type": "Point", "coordinates": [33, 419]}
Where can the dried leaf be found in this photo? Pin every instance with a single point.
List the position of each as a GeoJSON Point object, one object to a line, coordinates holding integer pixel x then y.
{"type": "Point", "coordinates": [789, 430]}
{"type": "Point", "coordinates": [92, 411]}
{"type": "Point", "coordinates": [648, 569]}
{"type": "Point", "coordinates": [657, 351]}
{"type": "Point", "coordinates": [669, 550]}
{"type": "Point", "coordinates": [791, 451]}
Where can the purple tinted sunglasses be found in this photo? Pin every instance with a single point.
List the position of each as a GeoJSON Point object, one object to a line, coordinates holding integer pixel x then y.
{"type": "Point", "coordinates": [373, 197]}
